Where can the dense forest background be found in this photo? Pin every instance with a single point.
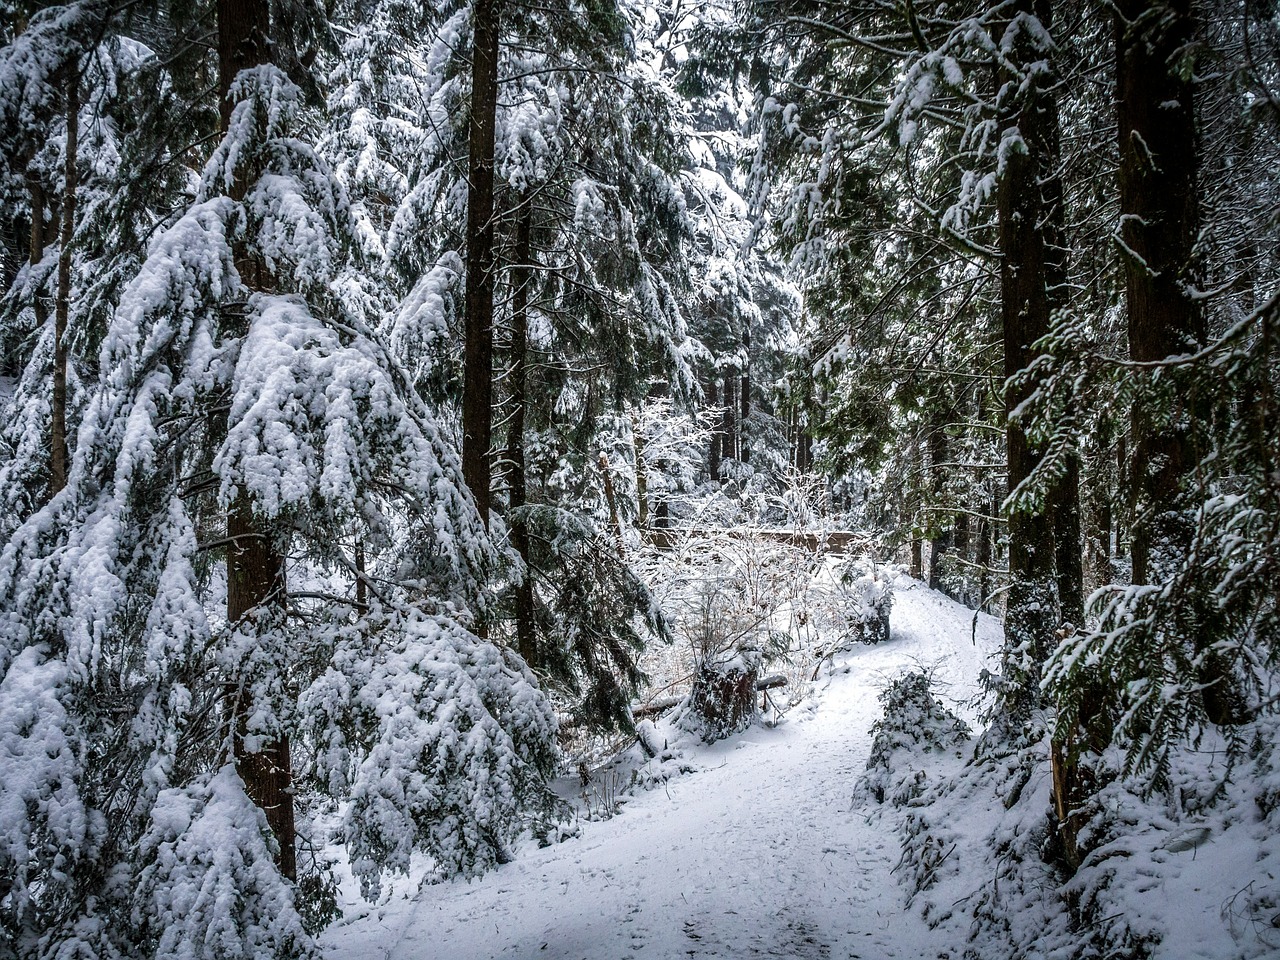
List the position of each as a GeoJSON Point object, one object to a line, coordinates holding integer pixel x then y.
{"type": "Point", "coordinates": [353, 353]}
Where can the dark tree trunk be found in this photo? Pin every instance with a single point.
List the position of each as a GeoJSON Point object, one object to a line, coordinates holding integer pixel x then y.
{"type": "Point", "coordinates": [1069, 553]}
{"type": "Point", "coordinates": [1027, 247]}
{"type": "Point", "coordinates": [243, 30]}
{"type": "Point", "coordinates": [730, 450]}
{"type": "Point", "coordinates": [255, 584]}
{"type": "Point", "coordinates": [58, 413]}
{"type": "Point", "coordinates": [255, 568]}
{"type": "Point", "coordinates": [1118, 519]}
{"type": "Point", "coordinates": [521, 271]}
{"type": "Point", "coordinates": [940, 542]}
{"type": "Point", "coordinates": [642, 478]}
{"type": "Point", "coordinates": [1159, 217]}
{"type": "Point", "coordinates": [38, 305]}
{"type": "Point", "coordinates": [984, 554]}
{"type": "Point", "coordinates": [661, 514]}
{"type": "Point", "coordinates": [713, 457]}
{"type": "Point", "coordinates": [477, 398]}
{"type": "Point", "coordinates": [744, 391]}
{"type": "Point", "coordinates": [1159, 225]}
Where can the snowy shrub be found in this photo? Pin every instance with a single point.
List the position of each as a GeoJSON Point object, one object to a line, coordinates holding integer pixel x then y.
{"type": "Point", "coordinates": [915, 723]}
{"type": "Point", "coordinates": [868, 591]}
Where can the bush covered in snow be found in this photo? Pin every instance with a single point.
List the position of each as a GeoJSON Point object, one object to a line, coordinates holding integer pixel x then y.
{"type": "Point", "coordinates": [868, 590]}
{"type": "Point", "coordinates": [915, 722]}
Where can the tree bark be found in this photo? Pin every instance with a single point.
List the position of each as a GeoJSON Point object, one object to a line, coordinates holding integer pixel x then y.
{"type": "Point", "coordinates": [1159, 225]}
{"type": "Point", "coordinates": [517, 496]}
{"type": "Point", "coordinates": [744, 390]}
{"type": "Point", "coordinates": [1024, 208]}
{"type": "Point", "coordinates": [255, 584]}
{"type": "Point", "coordinates": [1159, 221]}
{"type": "Point", "coordinates": [255, 569]}
{"type": "Point", "coordinates": [477, 400]}
{"type": "Point", "coordinates": [713, 456]}
{"type": "Point", "coordinates": [243, 42]}
{"type": "Point", "coordinates": [730, 451]}
{"type": "Point", "coordinates": [642, 477]}
{"type": "Point", "coordinates": [58, 453]}
{"type": "Point", "coordinates": [940, 542]}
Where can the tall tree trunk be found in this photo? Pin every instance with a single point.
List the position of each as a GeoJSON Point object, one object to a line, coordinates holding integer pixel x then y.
{"type": "Point", "coordinates": [1031, 616]}
{"type": "Point", "coordinates": [477, 398]}
{"type": "Point", "coordinates": [255, 584]}
{"type": "Point", "coordinates": [730, 417]}
{"type": "Point", "coordinates": [58, 425]}
{"type": "Point", "coordinates": [1159, 220]}
{"type": "Point", "coordinates": [984, 550]}
{"type": "Point", "coordinates": [940, 542]}
{"type": "Point", "coordinates": [1068, 551]}
{"type": "Point", "coordinates": [255, 568]}
{"type": "Point", "coordinates": [642, 477]}
{"type": "Point", "coordinates": [1064, 497]}
{"type": "Point", "coordinates": [521, 271]}
{"type": "Point", "coordinates": [1159, 225]}
{"type": "Point", "coordinates": [744, 390]}
{"type": "Point", "coordinates": [713, 456]}
{"type": "Point", "coordinates": [38, 305]}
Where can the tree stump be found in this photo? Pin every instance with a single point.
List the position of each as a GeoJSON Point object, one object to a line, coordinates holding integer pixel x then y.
{"type": "Point", "coordinates": [723, 698]}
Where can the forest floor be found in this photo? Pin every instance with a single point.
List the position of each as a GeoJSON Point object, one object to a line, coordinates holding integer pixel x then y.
{"type": "Point", "coordinates": [760, 851]}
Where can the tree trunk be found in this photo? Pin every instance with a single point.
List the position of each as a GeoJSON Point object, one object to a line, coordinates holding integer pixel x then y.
{"type": "Point", "coordinates": [1159, 217]}
{"type": "Point", "coordinates": [1024, 208]}
{"type": "Point", "coordinates": [984, 551]}
{"type": "Point", "coordinates": [1069, 554]}
{"type": "Point", "coordinates": [243, 32]}
{"type": "Point", "coordinates": [611, 500]}
{"type": "Point", "coordinates": [521, 271]}
{"type": "Point", "coordinates": [477, 398]}
{"type": "Point", "coordinates": [642, 477]}
{"type": "Point", "coordinates": [713, 457]}
{"type": "Point", "coordinates": [38, 305]}
{"type": "Point", "coordinates": [58, 413]}
{"type": "Point", "coordinates": [940, 542]}
{"type": "Point", "coordinates": [730, 451]}
{"type": "Point", "coordinates": [255, 584]}
{"type": "Point", "coordinates": [744, 391]}
{"type": "Point", "coordinates": [1159, 225]}
{"type": "Point", "coordinates": [255, 569]}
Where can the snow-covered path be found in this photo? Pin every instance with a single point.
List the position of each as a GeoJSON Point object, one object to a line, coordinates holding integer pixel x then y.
{"type": "Point", "coordinates": [761, 853]}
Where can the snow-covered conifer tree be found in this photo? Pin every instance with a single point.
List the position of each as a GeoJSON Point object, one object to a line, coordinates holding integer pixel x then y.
{"type": "Point", "coordinates": [244, 402]}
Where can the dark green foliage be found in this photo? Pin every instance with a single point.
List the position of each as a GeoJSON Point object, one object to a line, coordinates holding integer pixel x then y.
{"type": "Point", "coordinates": [595, 616]}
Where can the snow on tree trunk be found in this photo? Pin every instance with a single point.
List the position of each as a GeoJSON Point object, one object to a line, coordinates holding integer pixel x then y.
{"type": "Point", "coordinates": [255, 569]}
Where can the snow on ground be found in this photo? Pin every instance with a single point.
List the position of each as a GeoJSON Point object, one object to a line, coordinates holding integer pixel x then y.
{"type": "Point", "coordinates": [760, 853]}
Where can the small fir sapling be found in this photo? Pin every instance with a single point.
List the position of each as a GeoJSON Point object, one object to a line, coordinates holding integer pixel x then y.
{"type": "Point", "coordinates": [915, 722]}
